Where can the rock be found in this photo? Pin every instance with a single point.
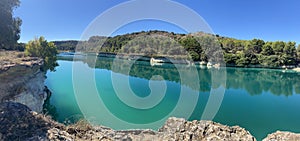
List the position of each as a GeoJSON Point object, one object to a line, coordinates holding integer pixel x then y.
{"type": "Point", "coordinates": [9, 59]}
{"type": "Point", "coordinates": [33, 94]}
{"type": "Point", "coordinates": [21, 80]}
{"type": "Point", "coordinates": [18, 122]}
{"type": "Point", "coordinates": [297, 69]}
{"type": "Point", "coordinates": [282, 136]}
{"type": "Point", "coordinates": [203, 130]}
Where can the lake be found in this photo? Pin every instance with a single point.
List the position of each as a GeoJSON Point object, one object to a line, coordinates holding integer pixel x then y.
{"type": "Point", "coordinates": [260, 100]}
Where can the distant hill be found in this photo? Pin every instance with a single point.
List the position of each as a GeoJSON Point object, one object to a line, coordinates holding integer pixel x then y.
{"type": "Point", "coordinates": [68, 45]}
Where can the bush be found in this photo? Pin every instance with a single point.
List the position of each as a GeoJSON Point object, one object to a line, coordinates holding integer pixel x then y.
{"type": "Point", "coordinates": [39, 47]}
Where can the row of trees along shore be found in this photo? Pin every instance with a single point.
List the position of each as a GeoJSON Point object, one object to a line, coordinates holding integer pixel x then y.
{"type": "Point", "coordinates": [200, 46]}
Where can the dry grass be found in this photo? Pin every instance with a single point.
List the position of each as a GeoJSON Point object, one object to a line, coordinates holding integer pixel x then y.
{"type": "Point", "coordinates": [12, 57]}
{"type": "Point", "coordinates": [81, 125]}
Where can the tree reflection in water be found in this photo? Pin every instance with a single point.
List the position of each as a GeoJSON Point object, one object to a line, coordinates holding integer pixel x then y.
{"type": "Point", "coordinates": [255, 81]}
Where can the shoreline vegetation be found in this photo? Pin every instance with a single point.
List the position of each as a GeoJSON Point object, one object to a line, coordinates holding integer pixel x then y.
{"type": "Point", "coordinates": [201, 48]}
{"type": "Point", "coordinates": [159, 60]}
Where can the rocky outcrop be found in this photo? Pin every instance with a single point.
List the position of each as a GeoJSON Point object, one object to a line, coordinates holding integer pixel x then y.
{"type": "Point", "coordinates": [21, 80]}
{"type": "Point", "coordinates": [282, 136]}
{"type": "Point", "coordinates": [18, 122]}
{"type": "Point", "coordinates": [180, 129]}
{"type": "Point", "coordinates": [175, 129]}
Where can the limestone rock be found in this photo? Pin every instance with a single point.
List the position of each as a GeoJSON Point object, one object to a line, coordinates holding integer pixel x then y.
{"type": "Point", "coordinates": [180, 129]}
{"type": "Point", "coordinates": [282, 136]}
{"type": "Point", "coordinates": [18, 122]}
{"type": "Point", "coordinates": [22, 81]}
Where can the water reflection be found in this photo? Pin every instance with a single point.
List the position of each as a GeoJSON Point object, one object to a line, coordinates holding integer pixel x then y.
{"type": "Point", "coordinates": [241, 104]}
{"type": "Point", "coordinates": [254, 81]}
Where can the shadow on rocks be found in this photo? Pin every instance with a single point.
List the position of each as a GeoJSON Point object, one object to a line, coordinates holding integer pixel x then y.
{"type": "Point", "coordinates": [18, 122]}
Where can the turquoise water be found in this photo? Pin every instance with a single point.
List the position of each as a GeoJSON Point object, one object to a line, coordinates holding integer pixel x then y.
{"type": "Point", "coordinates": [260, 100]}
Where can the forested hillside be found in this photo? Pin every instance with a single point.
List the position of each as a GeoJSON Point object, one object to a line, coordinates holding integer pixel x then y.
{"type": "Point", "coordinates": [200, 46]}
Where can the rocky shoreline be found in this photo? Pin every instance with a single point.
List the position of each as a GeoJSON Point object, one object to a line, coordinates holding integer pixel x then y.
{"type": "Point", "coordinates": [22, 95]}
{"type": "Point", "coordinates": [282, 136]}
{"type": "Point", "coordinates": [18, 122]}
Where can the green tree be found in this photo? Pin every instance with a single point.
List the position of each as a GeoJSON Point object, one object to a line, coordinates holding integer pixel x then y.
{"type": "Point", "coordinates": [228, 45]}
{"type": "Point", "coordinates": [9, 26]}
{"type": "Point", "coordinates": [250, 52]}
{"type": "Point", "coordinates": [39, 47]}
{"type": "Point", "coordinates": [278, 47]}
{"type": "Point", "coordinates": [255, 45]}
{"type": "Point", "coordinates": [271, 61]}
{"type": "Point", "coordinates": [230, 58]}
{"type": "Point", "coordinates": [289, 51]}
{"type": "Point", "coordinates": [298, 54]}
{"type": "Point", "coordinates": [242, 59]}
{"type": "Point", "coordinates": [192, 46]}
{"type": "Point", "coordinates": [267, 49]}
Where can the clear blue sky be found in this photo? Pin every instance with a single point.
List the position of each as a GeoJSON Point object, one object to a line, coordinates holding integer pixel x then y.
{"type": "Point", "coordinates": [243, 19]}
